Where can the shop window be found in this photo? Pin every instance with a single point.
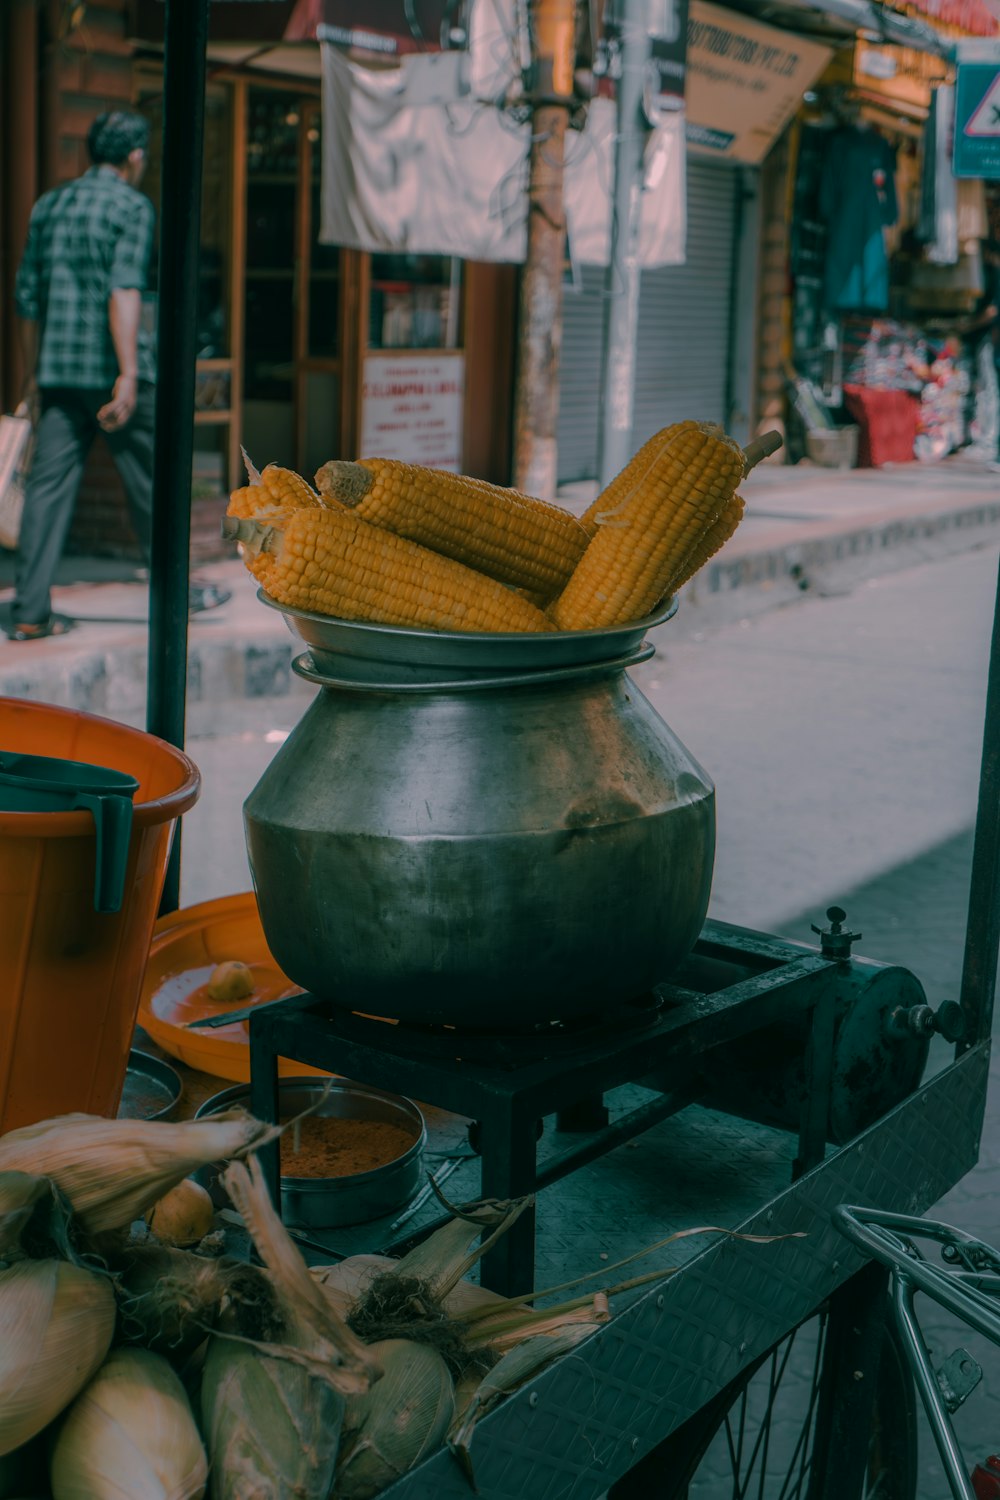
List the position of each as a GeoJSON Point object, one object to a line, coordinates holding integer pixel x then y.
{"type": "Point", "coordinates": [273, 120]}
{"type": "Point", "coordinates": [215, 428]}
{"type": "Point", "coordinates": [323, 330]}
{"type": "Point", "coordinates": [415, 302]}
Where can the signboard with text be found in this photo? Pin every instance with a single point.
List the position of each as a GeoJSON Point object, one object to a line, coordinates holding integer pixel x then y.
{"type": "Point", "coordinates": [412, 406]}
{"type": "Point", "coordinates": [977, 120]}
{"type": "Point", "coordinates": [745, 81]}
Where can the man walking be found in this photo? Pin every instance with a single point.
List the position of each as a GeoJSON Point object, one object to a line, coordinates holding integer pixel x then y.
{"type": "Point", "coordinates": [90, 363]}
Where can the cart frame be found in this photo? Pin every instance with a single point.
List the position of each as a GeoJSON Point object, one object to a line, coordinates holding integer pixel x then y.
{"type": "Point", "coordinates": [591, 1417]}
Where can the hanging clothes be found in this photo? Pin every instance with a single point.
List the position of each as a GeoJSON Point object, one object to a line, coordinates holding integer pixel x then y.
{"type": "Point", "coordinates": [857, 203]}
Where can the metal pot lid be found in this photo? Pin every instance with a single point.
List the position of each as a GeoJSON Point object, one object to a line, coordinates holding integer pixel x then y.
{"type": "Point", "coordinates": [362, 651]}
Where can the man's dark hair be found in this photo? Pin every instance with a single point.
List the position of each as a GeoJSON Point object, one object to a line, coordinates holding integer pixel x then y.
{"type": "Point", "coordinates": [115, 135]}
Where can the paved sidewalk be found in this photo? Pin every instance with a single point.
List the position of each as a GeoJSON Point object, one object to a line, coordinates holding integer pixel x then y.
{"type": "Point", "coordinates": [806, 528]}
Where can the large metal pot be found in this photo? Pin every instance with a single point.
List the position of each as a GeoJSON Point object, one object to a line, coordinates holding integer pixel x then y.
{"type": "Point", "coordinates": [485, 831]}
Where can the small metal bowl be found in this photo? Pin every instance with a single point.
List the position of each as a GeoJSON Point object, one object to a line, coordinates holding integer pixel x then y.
{"type": "Point", "coordinates": [336, 1202]}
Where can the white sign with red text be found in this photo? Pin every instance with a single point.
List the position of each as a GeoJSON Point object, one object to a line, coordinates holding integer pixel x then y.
{"type": "Point", "coordinates": [412, 407]}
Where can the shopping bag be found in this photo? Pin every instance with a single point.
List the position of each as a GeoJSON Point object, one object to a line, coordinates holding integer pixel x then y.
{"type": "Point", "coordinates": [15, 457]}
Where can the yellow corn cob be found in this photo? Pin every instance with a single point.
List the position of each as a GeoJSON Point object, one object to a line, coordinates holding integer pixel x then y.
{"type": "Point", "coordinates": [643, 541]}
{"type": "Point", "coordinates": [334, 563]}
{"type": "Point", "coordinates": [624, 480]}
{"type": "Point", "coordinates": [708, 544]}
{"type": "Point", "coordinates": [520, 541]}
{"type": "Point", "coordinates": [279, 492]}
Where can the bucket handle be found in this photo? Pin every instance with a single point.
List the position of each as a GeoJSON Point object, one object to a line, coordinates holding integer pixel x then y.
{"type": "Point", "coordinates": [112, 813]}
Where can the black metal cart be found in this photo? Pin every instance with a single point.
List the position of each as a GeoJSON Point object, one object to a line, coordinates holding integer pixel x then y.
{"type": "Point", "coordinates": [639, 1408]}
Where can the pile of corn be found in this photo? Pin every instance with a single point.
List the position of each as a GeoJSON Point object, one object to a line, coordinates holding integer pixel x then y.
{"type": "Point", "coordinates": [397, 544]}
{"type": "Point", "coordinates": [131, 1369]}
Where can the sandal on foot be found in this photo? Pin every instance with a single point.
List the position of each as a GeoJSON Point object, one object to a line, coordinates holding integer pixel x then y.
{"type": "Point", "coordinates": [54, 625]}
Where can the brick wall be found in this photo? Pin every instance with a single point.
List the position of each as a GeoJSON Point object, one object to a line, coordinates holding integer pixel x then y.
{"type": "Point", "coordinates": [773, 346]}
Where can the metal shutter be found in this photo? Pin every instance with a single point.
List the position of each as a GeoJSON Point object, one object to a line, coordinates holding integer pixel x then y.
{"type": "Point", "coordinates": [683, 350]}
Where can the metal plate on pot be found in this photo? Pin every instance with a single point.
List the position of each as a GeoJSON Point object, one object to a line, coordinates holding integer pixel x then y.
{"type": "Point", "coordinates": [152, 1088]}
{"type": "Point", "coordinates": [363, 652]}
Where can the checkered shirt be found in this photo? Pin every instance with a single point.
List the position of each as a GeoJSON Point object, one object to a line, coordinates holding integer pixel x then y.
{"type": "Point", "coordinates": [85, 239]}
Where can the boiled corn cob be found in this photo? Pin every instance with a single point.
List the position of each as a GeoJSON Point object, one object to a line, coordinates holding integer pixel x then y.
{"type": "Point", "coordinates": [334, 563]}
{"type": "Point", "coordinates": [526, 543]}
{"type": "Point", "coordinates": [277, 493]}
{"type": "Point", "coordinates": [644, 540]}
{"type": "Point", "coordinates": [708, 544]}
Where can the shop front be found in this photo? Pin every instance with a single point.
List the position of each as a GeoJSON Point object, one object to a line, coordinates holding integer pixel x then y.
{"type": "Point", "coordinates": [700, 320]}
{"type": "Point", "coordinates": [890, 269]}
{"type": "Point", "coordinates": [310, 351]}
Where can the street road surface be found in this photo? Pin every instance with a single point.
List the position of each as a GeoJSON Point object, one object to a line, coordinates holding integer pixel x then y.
{"type": "Point", "coordinates": [844, 737]}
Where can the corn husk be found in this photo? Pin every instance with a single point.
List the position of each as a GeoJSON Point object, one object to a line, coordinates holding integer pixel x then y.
{"type": "Point", "coordinates": [450, 1252]}
{"type": "Point", "coordinates": [130, 1435]}
{"type": "Point", "coordinates": [111, 1171]}
{"type": "Point", "coordinates": [33, 1214]}
{"type": "Point", "coordinates": [56, 1325]}
{"type": "Point", "coordinates": [519, 1365]}
{"type": "Point", "coordinates": [348, 1280]}
{"type": "Point", "coordinates": [272, 1405]}
{"type": "Point", "coordinates": [398, 1422]}
{"type": "Point", "coordinates": [170, 1302]}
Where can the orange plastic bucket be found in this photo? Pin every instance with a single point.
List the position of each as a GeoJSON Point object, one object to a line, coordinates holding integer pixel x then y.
{"type": "Point", "coordinates": [70, 977]}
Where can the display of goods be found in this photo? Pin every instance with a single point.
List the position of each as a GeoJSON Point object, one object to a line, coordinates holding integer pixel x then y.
{"type": "Point", "coordinates": [157, 1371]}
{"type": "Point", "coordinates": [396, 544]}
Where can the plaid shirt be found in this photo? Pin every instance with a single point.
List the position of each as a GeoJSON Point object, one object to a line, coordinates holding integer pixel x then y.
{"type": "Point", "coordinates": [85, 239]}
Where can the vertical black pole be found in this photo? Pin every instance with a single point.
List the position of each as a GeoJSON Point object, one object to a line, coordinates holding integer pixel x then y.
{"type": "Point", "coordinates": [180, 222]}
{"type": "Point", "coordinates": [982, 937]}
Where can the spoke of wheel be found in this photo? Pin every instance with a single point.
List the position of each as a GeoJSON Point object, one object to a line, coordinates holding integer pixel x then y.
{"type": "Point", "coordinates": [805, 1463]}
{"type": "Point", "coordinates": [802, 1451]}
{"type": "Point", "coordinates": [736, 1449]}
{"type": "Point", "coordinates": [777, 1375]}
{"type": "Point", "coordinates": [772, 1392]}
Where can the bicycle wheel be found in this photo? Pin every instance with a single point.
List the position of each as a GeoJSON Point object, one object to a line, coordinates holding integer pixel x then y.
{"type": "Point", "coordinates": [756, 1440]}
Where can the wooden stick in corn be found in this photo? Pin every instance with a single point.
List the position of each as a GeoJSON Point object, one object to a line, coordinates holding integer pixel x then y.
{"type": "Point", "coordinates": [334, 563]}
{"type": "Point", "coordinates": [278, 493]}
{"type": "Point", "coordinates": [643, 540]}
{"type": "Point", "coordinates": [520, 541]}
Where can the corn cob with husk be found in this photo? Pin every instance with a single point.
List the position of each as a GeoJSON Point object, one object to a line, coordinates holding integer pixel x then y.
{"type": "Point", "coordinates": [131, 1432]}
{"type": "Point", "coordinates": [56, 1325]}
{"type": "Point", "coordinates": [333, 563]}
{"type": "Point", "coordinates": [526, 543]}
{"type": "Point", "coordinates": [111, 1171]}
{"type": "Point", "coordinates": [273, 1386]}
{"type": "Point", "coordinates": [397, 1422]}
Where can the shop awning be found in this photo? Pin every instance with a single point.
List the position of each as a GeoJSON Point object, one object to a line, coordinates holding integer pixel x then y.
{"type": "Point", "coordinates": [846, 17]}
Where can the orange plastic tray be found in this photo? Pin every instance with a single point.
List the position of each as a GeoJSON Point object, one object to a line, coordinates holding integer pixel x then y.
{"type": "Point", "coordinates": [185, 949]}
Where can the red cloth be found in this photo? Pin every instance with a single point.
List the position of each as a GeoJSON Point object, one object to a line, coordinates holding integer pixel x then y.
{"type": "Point", "coordinates": [888, 421]}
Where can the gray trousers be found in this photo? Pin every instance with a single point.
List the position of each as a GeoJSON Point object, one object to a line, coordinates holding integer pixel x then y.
{"type": "Point", "coordinates": [66, 429]}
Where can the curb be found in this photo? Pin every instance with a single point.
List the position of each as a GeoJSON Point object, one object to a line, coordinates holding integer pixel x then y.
{"type": "Point", "coordinates": [747, 580]}
{"type": "Point", "coordinates": [740, 584]}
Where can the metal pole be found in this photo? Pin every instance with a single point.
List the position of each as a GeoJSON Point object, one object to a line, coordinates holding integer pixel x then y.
{"type": "Point", "coordinates": [621, 289]}
{"type": "Point", "coordinates": [982, 936]}
{"type": "Point", "coordinates": [186, 37]}
{"type": "Point", "coordinates": [536, 397]}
